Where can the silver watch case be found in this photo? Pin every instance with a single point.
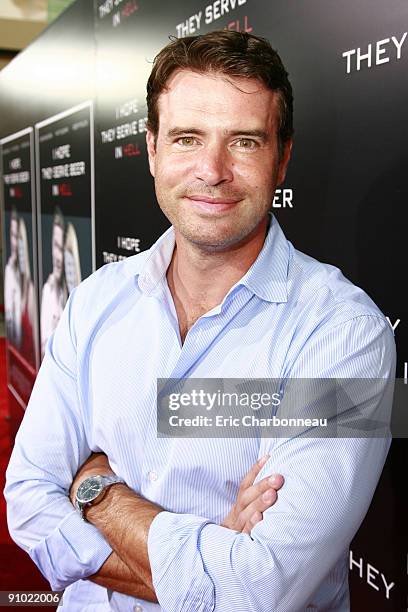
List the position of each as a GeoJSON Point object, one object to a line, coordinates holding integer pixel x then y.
{"type": "Point", "coordinates": [92, 489]}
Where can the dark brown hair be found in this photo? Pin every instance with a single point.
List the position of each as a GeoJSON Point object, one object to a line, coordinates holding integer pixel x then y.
{"type": "Point", "coordinates": [235, 54]}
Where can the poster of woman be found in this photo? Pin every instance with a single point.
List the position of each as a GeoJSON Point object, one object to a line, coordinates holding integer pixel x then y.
{"type": "Point", "coordinates": [20, 262]}
{"type": "Point", "coordinates": [65, 201]}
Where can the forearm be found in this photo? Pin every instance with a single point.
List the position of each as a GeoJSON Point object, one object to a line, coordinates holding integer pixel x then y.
{"type": "Point", "coordinates": [124, 519]}
{"type": "Point", "coordinates": [115, 574]}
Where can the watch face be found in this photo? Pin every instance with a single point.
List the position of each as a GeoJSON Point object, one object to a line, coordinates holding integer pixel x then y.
{"type": "Point", "coordinates": [89, 489]}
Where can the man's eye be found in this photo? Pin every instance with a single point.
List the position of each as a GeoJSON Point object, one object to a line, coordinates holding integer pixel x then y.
{"type": "Point", "coordinates": [246, 143]}
{"type": "Point", "coordinates": [187, 141]}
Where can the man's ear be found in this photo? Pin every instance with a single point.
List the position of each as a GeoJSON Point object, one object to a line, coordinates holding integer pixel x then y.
{"type": "Point", "coordinates": [283, 164]}
{"type": "Point", "coordinates": [151, 150]}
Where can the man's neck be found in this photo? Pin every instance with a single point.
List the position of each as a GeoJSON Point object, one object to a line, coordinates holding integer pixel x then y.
{"type": "Point", "coordinates": [199, 279]}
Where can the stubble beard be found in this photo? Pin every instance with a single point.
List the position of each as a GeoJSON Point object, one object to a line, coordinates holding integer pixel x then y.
{"type": "Point", "coordinates": [211, 234]}
{"type": "Point", "coordinates": [216, 240]}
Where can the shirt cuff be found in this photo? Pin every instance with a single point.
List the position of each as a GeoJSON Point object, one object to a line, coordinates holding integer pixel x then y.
{"type": "Point", "coordinates": [79, 548]}
{"type": "Point", "coordinates": [178, 573]}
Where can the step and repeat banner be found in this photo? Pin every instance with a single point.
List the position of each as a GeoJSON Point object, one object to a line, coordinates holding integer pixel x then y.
{"type": "Point", "coordinates": [77, 192]}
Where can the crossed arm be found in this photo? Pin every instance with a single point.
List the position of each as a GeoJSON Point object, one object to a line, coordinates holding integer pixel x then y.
{"type": "Point", "coordinates": [328, 488]}
{"type": "Point", "coordinates": [124, 519]}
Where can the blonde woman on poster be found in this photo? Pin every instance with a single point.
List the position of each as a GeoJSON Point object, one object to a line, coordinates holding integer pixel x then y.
{"type": "Point", "coordinates": [12, 286]}
{"type": "Point", "coordinates": [54, 292]}
{"type": "Point", "coordinates": [72, 263]}
{"type": "Point", "coordinates": [27, 347]}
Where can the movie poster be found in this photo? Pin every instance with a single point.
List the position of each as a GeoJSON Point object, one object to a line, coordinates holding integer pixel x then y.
{"type": "Point", "coordinates": [20, 294]}
{"type": "Point", "coordinates": [65, 194]}
{"type": "Point", "coordinates": [123, 180]}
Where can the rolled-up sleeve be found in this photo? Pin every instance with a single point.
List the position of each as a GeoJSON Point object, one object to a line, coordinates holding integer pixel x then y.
{"type": "Point", "coordinates": [329, 484]}
{"type": "Point", "coordinates": [50, 446]}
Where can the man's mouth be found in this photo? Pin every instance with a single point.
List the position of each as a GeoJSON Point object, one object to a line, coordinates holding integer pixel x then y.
{"type": "Point", "coordinates": [212, 205]}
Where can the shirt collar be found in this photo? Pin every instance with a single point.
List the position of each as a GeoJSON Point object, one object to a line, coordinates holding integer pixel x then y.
{"type": "Point", "coordinates": [266, 278]}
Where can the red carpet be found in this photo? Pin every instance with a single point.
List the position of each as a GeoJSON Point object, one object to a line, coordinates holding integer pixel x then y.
{"type": "Point", "coordinates": [17, 571]}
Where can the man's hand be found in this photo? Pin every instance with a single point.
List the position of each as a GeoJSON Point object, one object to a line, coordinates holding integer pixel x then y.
{"type": "Point", "coordinates": [253, 499]}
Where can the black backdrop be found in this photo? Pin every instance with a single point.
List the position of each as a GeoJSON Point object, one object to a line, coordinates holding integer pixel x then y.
{"type": "Point", "coordinates": [345, 191]}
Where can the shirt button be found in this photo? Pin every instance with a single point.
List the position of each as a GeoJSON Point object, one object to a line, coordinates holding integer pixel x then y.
{"type": "Point", "coordinates": [138, 608]}
{"type": "Point", "coordinates": [153, 476]}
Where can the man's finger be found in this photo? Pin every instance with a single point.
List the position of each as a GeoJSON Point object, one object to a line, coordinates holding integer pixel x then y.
{"type": "Point", "coordinates": [249, 478]}
{"type": "Point", "coordinates": [247, 496]}
{"type": "Point", "coordinates": [254, 520]}
{"type": "Point", "coordinates": [258, 506]}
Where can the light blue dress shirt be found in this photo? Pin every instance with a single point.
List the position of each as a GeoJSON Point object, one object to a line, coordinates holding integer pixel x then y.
{"type": "Point", "coordinates": [288, 317]}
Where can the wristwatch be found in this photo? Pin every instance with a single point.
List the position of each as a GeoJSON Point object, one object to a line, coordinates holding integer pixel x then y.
{"type": "Point", "coordinates": [92, 490]}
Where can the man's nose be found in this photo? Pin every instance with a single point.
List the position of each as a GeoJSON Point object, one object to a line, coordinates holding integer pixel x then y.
{"type": "Point", "coordinates": [213, 164]}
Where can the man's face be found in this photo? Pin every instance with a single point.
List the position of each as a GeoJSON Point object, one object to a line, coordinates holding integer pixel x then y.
{"type": "Point", "coordinates": [13, 238]}
{"type": "Point", "coordinates": [57, 251]}
{"type": "Point", "coordinates": [216, 163]}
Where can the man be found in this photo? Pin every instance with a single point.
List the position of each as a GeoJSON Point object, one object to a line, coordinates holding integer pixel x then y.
{"type": "Point", "coordinates": [54, 292]}
{"type": "Point", "coordinates": [12, 286]}
{"type": "Point", "coordinates": [222, 294]}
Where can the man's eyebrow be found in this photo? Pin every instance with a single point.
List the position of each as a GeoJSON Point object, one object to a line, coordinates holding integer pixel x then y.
{"type": "Point", "coordinates": [248, 133]}
{"type": "Point", "coordinates": [179, 131]}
